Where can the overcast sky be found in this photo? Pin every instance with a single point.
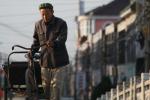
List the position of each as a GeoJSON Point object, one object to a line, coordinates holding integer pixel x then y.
{"type": "Point", "coordinates": [17, 19]}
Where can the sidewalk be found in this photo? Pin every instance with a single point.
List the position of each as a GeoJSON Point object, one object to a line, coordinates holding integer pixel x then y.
{"type": "Point", "coordinates": [17, 96]}
{"type": "Point", "coordinates": [20, 98]}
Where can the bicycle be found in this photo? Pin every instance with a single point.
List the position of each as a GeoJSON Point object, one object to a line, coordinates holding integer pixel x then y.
{"type": "Point", "coordinates": [31, 65]}
{"type": "Point", "coordinates": [9, 80]}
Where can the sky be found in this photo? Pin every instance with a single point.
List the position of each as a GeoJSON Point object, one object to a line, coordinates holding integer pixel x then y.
{"type": "Point", "coordinates": [17, 19]}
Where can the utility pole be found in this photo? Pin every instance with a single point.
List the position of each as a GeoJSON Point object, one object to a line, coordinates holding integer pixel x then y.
{"type": "Point", "coordinates": [143, 12]}
{"type": "Point", "coordinates": [116, 55]}
{"type": "Point", "coordinates": [103, 70]}
{"type": "Point", "coordinates": [77, 51]}
{"type": "Point", "coordinates": [81, 11]}
{"type": "Point", "coordinates": [146, 22]}
{"type": "Point", "coordinates": [81, 7]}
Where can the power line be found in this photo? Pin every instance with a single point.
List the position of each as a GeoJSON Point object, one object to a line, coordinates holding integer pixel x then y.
{"type": "Point", "coordinates": [66, 3]}
{"type": "Point", "coordinates": [15, 30]}
{"type": "Point", "coordinates": [22, 6]}
{"type": "Point", "coordinates": [33, 14]}
{"type": "Point", "coordinates": [64, 10]}
{"type": "Point", "coordinates": [18, 15]}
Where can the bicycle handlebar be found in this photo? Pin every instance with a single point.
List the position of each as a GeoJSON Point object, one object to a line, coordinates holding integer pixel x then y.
{"type": "Point", "coordinates": [13, 47]}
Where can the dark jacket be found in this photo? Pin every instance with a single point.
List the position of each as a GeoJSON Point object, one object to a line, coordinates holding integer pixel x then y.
{"type": "Point", "coordinates": [55, 31]}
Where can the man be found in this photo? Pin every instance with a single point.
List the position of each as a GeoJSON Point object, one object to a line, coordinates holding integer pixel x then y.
{"type": "Point", "coordinates": [51, 33]}
{"type": "Point", "coordinates": [140, 53]}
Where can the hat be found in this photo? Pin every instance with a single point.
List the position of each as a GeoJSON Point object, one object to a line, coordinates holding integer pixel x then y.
{"type": "Point", "coordinates": [45, 5]}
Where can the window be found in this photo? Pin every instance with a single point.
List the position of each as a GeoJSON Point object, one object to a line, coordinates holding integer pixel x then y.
{"type": "Point", "coordinates": [87, 27]}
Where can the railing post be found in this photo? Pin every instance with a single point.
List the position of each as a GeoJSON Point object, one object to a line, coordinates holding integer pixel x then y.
{"type": "Point", "coordinates": [124, 88]}
{"type": "Point", "coordinates": [111, 94]}
{"type": "Point", "coordinates": [131, 88]}
{"type": "Point", "coordinates": [149, 74]}
{"type": "Point", "coordinates": [106, 95]}
{"type": "Point", "coordinates": [117, 92]}
{"type": "Point", "coordinates": [134, 88]}
{"type": "Point", "coordinates": [142, 86]}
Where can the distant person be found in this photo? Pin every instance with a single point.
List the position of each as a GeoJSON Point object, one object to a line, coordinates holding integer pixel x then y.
{"type": "Point", "coordinates": [51, 31]}
{"type": "Point", "coordinates": [104, 86]}
{"type": "Point", "coordinates": [140, 53]}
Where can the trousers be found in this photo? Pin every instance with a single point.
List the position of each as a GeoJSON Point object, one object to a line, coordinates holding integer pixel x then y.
{"type": "Point", "coordinates": [52, 82]}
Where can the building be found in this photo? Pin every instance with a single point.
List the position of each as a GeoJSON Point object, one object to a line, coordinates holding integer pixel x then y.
{"type": "Point", "coordinates": [91, 55]}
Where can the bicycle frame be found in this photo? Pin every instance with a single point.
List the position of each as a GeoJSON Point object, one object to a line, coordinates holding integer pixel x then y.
{"type": "Point", "coordinates": [6, 73]}
{"type": "Point", "coordinates": [8, 66]}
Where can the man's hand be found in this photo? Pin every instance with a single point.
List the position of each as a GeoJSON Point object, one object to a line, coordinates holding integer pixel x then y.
{"type": "Point", "coordinates": [30, 55]}
{"type": "Point", "coordinates": [49, 44]}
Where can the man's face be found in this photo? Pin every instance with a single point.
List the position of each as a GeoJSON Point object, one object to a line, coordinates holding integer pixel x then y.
{"type": "Point", "coordinates": [46, 14]}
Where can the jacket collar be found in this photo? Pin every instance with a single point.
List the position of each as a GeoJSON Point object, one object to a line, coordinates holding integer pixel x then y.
{"type": "Point", "coordinates": [52, 21]}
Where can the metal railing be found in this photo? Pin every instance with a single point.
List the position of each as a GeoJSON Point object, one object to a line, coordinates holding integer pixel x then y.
{"type": "Point", "coordinates": [135, 89]}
